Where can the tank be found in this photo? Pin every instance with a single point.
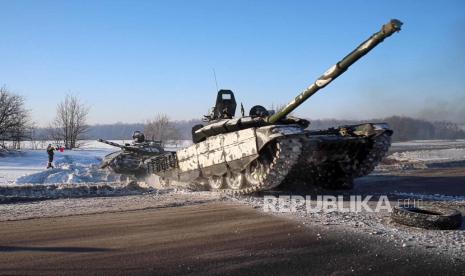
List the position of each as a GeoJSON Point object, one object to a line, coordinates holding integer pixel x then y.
{"type": "Point", "coordinates": [130, 159]}
{"type": "Point", "coordinates": [267, 149]}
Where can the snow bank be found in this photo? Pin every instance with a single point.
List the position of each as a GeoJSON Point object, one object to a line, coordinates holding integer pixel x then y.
{"type": "Point", "coordinates": [424, 154]}
{"type": "Point", "coordinates": [76, 174]}
{"type": "Point", "coordinates": [72, 166]}
{"type": "Point", "coordinates": [69, 172]}
{"type": "Point", "coordinates": [453, 154]}
{"type": "Point", "coordinates": [15, 165]}
{"type": "Point", "coordinates": [415, 143]}
{"type": "Point", "coordinates": [13, 193]}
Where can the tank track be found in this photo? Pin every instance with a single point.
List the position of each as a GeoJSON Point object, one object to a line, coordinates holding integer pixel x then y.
{"type": "Point", "coordinates": [356, 158]}
{"type": "Point", "coordinates": [277, 162]}
{"type": "Point", "coordinates": [379, 149]}
{"type": "Point", "coordinates": [124, 163]}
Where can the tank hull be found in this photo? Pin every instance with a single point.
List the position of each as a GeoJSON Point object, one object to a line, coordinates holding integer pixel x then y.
{"type": "Point", "coordinates": [130, 159]}
{"type": "Point", "coordinates": [263, 158]}
{"type": "Point", "coordinates": [124, 163]}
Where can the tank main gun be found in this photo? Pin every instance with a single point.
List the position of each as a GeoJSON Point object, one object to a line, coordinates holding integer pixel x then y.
{"type": "Point", "coordinates": [123, 147]}
{"type": "Point", "coordinates": [336, 70]}
{"type": "Point", "coordinates": [130, 148]}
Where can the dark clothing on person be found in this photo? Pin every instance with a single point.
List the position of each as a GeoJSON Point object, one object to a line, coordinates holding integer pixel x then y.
{"type": "Point", "coordinates": [50, 152]}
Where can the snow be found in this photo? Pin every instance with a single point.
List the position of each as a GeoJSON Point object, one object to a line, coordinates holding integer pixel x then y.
{"type": "Point", "coordinates": [423, 154]}
{"type": "Point", "coordinates": [23, 174]}
{"type": "Point", "coordinates": [72, 166]}
{"type": "Point", "coordinates": [12, 193]}
{"type": "Point", "coordinates": [431, 142]}
{"type": "Point", "coordinates": [80, 166]}
{"type": "Point", "coordinates": [417, 145]}
{"type": "Point", "coordinates": [454, 154]}
{"type": "Point", "coordinates": [15, 165]}
{"type": "Point", "coordinates": [70, 206]}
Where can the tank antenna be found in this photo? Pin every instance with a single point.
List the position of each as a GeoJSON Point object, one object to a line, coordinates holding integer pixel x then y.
{"type": "Point", "coordinates": [216, 82]}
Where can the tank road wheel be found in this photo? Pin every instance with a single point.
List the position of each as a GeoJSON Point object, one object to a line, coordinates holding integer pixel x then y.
{"type": "Point", "coordinates": [255, 173]}
{"type": "Point", "coordinates": [200, 184]}
{"type": "Point", "coordinates": [164, 182]}
{"type": "Point", "coordinates": [268, 171]}
{"type": "Point", "coordinates": [235, 180]}
{"type": "Point", "coordinates": [216, 182]}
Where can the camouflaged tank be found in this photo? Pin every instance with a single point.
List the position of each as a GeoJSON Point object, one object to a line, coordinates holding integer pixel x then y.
{"type": "Point", "coordinates": [265, 149]}
{"type": "Point", "coordinates": [130, 159]}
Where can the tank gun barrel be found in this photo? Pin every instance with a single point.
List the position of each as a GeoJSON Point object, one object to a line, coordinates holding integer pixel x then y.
{"type": "Point", "coordinates": [123, 147]}
{"type": "Point", "coordinates": [111, 143]}
{"type": "Point", "coordinates": [336, 70]}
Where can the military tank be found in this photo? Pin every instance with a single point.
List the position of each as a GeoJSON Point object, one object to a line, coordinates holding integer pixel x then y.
{"type": "Point", "coordinates": [266, 149]}
{"type": "Point", "coordinates": [130, 159]}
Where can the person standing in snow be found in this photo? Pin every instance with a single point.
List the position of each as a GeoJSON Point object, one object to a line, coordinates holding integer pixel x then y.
{"type": "Point", "coordinates": [50, 152]}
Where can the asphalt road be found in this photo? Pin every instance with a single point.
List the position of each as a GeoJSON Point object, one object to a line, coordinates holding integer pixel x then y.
{"type": "Point", "coordinates": [212, 238]}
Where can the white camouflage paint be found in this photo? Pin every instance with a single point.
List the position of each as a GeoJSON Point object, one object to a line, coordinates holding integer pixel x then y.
{"type": "Point", "coordinates": [322, 82]}
{"type": "Point", "coordinates": [330, 71]}
{"type": "Point", "coordinates": [220, 149]}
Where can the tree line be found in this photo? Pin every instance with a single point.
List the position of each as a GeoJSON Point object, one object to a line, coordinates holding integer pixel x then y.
{"type": "Point", "coordinates": [70, 125]}
{"type": "Point", "coordinates": [405, 128]}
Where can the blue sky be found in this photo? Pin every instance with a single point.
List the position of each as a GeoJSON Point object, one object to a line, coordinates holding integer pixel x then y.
{"type": "Point", "coordinates": [132, 59]}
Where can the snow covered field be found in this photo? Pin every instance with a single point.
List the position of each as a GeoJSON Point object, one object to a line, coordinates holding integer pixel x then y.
{"type": "Point", "coordinates": [23, 174]}
{"type": "Point", "coordinates": [424, 154]}
{"type": "Point", "coordinates": [80, 166]}
{"type": "Point", "coordinates": [71, 166]}
{"type": "Point", "coordinates": [76, 174]}
{"type": "Point", "coordinates": [427, 144]}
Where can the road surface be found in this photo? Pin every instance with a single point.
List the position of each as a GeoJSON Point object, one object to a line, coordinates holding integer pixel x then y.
{"type": "Point", "coordinates": [207, 238]}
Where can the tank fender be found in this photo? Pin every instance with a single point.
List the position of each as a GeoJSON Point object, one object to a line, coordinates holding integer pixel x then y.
{"type": "Point", "coordinates": [109, 158]}
{"type": "Point", "coordinates": [269, 133]}
{"type": "Point", "coordinates": [370, 130]}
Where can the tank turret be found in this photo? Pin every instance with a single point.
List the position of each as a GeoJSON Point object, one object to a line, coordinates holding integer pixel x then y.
{"type": "Point", "coordinates": [146, 147]}
{"type": "Point", "coordinates": [130, 159]}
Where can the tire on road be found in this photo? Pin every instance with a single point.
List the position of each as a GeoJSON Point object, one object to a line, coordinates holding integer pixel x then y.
{"type": "Point", "coordinates": [428, 217]}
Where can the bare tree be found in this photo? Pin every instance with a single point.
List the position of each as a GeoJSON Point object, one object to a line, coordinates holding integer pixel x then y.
{"type": "Point", "coordinates": [14, 117]}
{"type": "Point", "coordinates": [70, 121]}
{"type": "Point", "coordinates": [161, 128]}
